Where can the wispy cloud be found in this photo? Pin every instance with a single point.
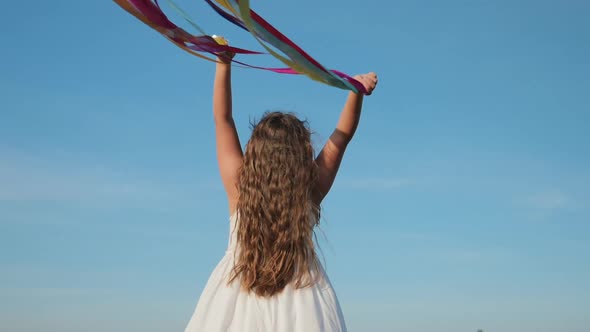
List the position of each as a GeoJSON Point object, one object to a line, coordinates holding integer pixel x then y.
{"type": "Point", "coordinates": [375, 183]}
{"type": "Point", "coordinates": [552, 205]}
{"type": "Point", "coordinates": [49, 291]}
{"type": "Point", "coordinates": [549, 200]}
{"type": "Point", "coordinates": [26, 178]}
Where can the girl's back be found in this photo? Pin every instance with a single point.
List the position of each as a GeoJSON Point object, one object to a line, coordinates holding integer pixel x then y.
{"type": "Point", "coordinates": [224, 307]}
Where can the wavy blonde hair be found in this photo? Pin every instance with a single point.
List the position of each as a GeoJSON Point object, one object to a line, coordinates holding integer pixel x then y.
{"type": "Point", "coordinates": [276, 213]}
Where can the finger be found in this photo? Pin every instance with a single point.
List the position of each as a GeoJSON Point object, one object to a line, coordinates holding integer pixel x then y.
{"type": "Point", "coordinates": [371, 78]}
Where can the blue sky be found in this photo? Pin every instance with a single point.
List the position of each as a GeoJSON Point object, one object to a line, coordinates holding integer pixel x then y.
{"type": "Point", "coordinates": [462, 204]}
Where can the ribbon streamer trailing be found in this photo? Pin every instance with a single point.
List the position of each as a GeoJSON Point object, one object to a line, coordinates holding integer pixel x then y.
{"type": "Point", "coordinates": [240, 14]}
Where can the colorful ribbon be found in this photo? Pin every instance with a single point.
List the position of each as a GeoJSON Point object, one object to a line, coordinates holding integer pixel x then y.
{"type": "Point", "coordinates": [240, 14]}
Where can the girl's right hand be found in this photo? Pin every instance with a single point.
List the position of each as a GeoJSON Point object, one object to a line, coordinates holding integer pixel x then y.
{"type": "Point", "coordinates": [369, 81]}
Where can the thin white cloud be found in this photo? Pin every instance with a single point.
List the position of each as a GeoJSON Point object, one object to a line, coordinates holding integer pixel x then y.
{"type": "Point", "coordinates": [28, 183]}
{"type": "Point", "coordinates": [49, 291]}
{"type": "Point", "coordinates": [552, 205]}
{"type": "Point", "coordinates": [25, 178]}
{"type": "Point", "coordinates": [550, 200]}
{"type": "Point", "coordinates": [375, 183]}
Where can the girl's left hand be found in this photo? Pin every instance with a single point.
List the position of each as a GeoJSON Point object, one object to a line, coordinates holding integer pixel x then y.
{"type": "Point", "coordinates": [223, 57]}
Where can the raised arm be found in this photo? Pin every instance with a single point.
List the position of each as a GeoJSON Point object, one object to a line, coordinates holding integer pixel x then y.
{"type": "Point", "coordinates": [330, 157]}
{"type": "Point", "coordinates": [229, 150]}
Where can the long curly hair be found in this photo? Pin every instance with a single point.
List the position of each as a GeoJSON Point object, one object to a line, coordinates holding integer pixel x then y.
{"type": "Point", "coordinates": [276, 213]}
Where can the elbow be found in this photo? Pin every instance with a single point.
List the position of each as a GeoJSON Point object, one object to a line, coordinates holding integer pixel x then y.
{"type": "Point", "coordinates": [344, 136]}
{"type": "Point", "coordinates": [223, 119]}
{"type": "Point", "coordinates": [341, 139]}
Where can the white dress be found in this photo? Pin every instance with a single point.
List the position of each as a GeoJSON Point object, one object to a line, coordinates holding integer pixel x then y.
{"type": "Point", "coordinates": [223, 307]}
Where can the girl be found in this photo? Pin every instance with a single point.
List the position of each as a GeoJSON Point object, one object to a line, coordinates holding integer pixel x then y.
{"type": "Point", "coordinates": [270, 278]}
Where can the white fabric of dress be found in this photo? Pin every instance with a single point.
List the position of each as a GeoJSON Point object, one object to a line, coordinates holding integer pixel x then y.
{"type": "Point", "coordinates": [228, 308]}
